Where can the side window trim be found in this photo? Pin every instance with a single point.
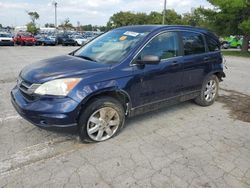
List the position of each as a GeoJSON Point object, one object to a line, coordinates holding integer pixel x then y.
{"type": "Point", "coordinates": [206, 43]}
{"type": "Point", "coordinates": [152, 38]}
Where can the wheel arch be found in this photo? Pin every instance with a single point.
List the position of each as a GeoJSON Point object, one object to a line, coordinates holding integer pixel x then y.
{"type": "Point", "coordinates": [220, 75]}
{"type": "Point", "coordinates": [118, 94]}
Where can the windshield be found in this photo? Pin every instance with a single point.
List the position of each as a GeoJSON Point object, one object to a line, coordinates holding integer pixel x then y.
{"type": "Point", "coordinates": [110, 47]}
{"type": "Point", "coordinates": [25, 35]}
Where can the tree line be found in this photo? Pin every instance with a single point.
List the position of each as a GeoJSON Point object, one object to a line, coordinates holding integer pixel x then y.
{"type": "Point", "coordinates": [228, 17]}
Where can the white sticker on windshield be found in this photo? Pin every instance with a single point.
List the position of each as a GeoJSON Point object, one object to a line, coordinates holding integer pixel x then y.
{"type": "Point", "coordinates": [131, 33]}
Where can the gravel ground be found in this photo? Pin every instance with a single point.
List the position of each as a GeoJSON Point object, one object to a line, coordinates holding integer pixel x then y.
{"type": "Point", "coordinates": [180, 146]}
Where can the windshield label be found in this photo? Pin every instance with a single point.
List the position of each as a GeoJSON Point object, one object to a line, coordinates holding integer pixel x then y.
{"type": "Point", "coordinates": [130, 33]}
{"type": "Point", "coordinates": [122, 38]}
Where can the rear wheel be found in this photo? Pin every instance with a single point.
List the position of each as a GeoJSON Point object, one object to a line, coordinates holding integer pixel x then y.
{"type": "Point", "coordinates": [209, 91]}
{"type": "Point", "coordinates": [101, 120]}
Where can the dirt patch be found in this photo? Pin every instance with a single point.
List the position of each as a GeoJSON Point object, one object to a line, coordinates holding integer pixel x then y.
{"type": "Point", "coordinates": [238, 104]}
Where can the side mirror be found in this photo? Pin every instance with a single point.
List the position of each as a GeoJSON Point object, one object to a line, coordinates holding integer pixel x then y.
{"type": "Point", "coordinates": [149, 59]}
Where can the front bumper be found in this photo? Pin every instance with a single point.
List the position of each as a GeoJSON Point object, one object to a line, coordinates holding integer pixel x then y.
{"type": "Point", "coordinates": [46, 111]}
{"type": "Point", "coordinates": [6, 43]}
{"type": "Point", "coordinates": [50, 43]}
{"type": "Point", "coordinates": [29, 43]}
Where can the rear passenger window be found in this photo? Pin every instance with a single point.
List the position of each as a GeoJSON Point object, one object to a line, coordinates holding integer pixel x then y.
{"type": "Point", "coordinates": [164, 46]}
{"type": "Point", "coordinates": [212, 44]}
{"type": "Point", "coordinates": [193, 43]}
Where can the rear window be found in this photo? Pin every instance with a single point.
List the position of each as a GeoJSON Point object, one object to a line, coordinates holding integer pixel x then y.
{"type": "Point", "coordinates": [212, 44]}
{"type": "Point", "coordinates": [193, 43]}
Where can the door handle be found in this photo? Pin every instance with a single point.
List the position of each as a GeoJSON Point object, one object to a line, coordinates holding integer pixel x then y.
{"type": "Point", "coordinates": [207, 59]}
{"type": "Point", "coordinates": [174, 63]}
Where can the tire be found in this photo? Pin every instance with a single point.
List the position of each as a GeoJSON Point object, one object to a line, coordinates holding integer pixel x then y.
{"type": "Point", "coordinates": [104, 106]}
{"type": "Point", "coordinates": [207, 88]}
{"type": "Point", "coordinates": [238, 47]}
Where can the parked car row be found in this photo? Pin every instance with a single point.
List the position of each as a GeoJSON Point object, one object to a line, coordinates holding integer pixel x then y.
{"type": "Point", "coordinates": [65, 39]}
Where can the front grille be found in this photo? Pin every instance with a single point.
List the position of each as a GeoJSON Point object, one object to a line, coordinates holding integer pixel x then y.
{"type": "Point", "coordinates": [24, 86]}
{"type": "Point", "coordinates": [29, 97]}
{"type": "Point", "coordinates": [27, 89]}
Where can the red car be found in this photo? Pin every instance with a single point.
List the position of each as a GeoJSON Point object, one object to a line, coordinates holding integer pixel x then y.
{"type": "Point", "coordinates": [24, 39]}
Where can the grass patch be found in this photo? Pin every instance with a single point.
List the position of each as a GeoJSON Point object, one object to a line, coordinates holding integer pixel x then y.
{"type": "Point", "coordinates": [236, 53]}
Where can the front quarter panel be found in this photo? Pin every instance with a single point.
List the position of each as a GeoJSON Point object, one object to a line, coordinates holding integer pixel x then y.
{"type": "Point", "coordinates": [117, 79]}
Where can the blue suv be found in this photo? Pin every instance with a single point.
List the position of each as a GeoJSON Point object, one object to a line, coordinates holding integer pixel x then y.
{"type": "Point", "coordinates": [122, 73]}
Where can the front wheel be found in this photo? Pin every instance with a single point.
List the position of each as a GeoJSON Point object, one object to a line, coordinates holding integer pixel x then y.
{"type": "Point", "coordinates": [101, 120]}
{"type": "Point", "coordinates": [209, 91]}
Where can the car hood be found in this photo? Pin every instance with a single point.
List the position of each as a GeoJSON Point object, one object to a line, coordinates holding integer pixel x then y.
{"type": "Point", "coordinates": [80, 39]}
{"type": "Point", "coordinates": [60, 67]}
{"type": "Point", "coordinates": [6, 38]}
{"type": "Point", "coordinates": [28, 38]}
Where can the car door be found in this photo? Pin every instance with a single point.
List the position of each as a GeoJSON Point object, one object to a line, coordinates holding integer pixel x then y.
{"type": "Point", "coordinates": [195, 61]}
{"type": "Point", "coordinates": [159, 81]}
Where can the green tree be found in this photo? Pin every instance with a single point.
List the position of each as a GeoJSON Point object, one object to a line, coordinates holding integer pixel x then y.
{"type": "Point", "coordinates": [126, 18]}
{"type": "Point", "coordinates": [230, 17]}
{"type": "Point", "coordinates": [66, 24]}
{"type": "Point", "coordinates": [195, 18]}
{"type": "Point", "coordinates": [49, 25]}
{"type": "Point", "coordinates": [130, 18]}
{"type": "Point", "coordinates": [102, 28]}
{"type": "Point", "coordinates": [172, 17]}
{"type": "Point", "coordinates": [88, 27]}
{"type": "Point", "coordinates": [1, 25]}
{"type": "Point", "coordinates": [31, 27]}
{"type": "Point", "coordinates": [33, 16]}
{"type": "Point", "coordinates": [155, 18]}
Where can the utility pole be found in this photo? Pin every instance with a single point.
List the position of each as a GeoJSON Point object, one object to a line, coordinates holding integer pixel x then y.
{"type": "Point", "coordinates": [164, 12]}
{"type": "Point", "coordinates": [55, 4]}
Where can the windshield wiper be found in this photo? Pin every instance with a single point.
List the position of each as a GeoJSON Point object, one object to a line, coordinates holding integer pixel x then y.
{"type": "Point", "coordinates": [86, 57]}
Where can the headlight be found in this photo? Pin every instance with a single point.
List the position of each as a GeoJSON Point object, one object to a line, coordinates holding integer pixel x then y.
{"type": "Point", "coordinates": [60, 87]}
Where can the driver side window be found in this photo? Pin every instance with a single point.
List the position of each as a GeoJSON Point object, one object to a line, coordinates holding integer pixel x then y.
{"type": "Point", "coordinates": [165, 45]}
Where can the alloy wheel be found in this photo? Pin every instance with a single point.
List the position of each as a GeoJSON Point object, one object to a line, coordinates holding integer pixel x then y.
{"type": "Point", "coordinates": [211, 90]}
{"type": "Point", "coordinates": [103, 124]}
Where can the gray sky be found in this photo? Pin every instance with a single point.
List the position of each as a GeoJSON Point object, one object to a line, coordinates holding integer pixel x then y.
{"type": "Point", "coordinates": [95, 12]}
